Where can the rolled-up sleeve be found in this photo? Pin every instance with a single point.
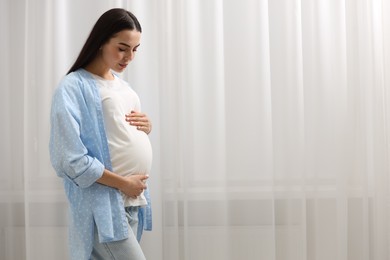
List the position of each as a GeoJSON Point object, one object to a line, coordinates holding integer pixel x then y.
{"type": "Point", "coordinates": [68, 152]}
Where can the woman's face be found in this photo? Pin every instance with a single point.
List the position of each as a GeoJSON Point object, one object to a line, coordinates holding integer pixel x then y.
{"type": "Point", "coordinates": [120, 50]}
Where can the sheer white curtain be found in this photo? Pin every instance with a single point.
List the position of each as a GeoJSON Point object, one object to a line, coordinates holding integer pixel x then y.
{"type": "Point", "coordinates": [271, 126]}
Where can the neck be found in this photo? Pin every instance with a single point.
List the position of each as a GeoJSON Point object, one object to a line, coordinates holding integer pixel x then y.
{"type": "Point", "coordinates": [97, 68]}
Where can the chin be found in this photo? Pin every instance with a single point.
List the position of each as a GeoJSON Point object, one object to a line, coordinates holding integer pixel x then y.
{"type": "Point", "coordinates": [118, 70]}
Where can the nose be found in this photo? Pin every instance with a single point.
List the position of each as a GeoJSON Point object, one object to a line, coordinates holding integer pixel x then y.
{"type": "Point", "coordinates": [130, 56]}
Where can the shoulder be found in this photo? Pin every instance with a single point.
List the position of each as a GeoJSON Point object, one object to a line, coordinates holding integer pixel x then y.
{"type": "Point", "coordinates": [73, 82]}
{"type": "Point", "coordinates": [69, 89]}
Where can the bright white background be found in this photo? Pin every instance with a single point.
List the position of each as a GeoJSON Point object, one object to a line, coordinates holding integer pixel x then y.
{"type": "Point", "coordinates": [271, 126]}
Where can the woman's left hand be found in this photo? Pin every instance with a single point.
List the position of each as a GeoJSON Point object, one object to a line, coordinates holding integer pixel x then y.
{"type": "Point", "coordinates": [139, 120]}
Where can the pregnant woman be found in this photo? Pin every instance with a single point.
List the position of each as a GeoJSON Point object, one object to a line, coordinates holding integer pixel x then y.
{"type": "Point", "coordinates": [99, 144]}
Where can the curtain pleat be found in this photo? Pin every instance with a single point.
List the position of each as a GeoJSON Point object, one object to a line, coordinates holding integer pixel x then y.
{"type": "Point", "coordinates": [270, 126]}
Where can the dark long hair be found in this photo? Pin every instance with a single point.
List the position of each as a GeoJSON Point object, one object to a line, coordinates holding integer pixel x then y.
{"type": "Point", "coordinates": [110, 23]}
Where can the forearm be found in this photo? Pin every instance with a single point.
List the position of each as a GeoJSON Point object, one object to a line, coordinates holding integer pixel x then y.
{"type": "Point", "coordinates": [132, 185]}
{"type": "Point", "coordinates": [112, 180]}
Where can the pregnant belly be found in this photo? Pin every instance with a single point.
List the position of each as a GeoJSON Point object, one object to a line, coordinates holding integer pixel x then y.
{"type": "Point", "coordinates": [131, 156]}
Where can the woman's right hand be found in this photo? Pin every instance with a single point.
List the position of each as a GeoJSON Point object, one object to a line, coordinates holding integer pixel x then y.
{"type": "Point", "coordinates": [134, 185]}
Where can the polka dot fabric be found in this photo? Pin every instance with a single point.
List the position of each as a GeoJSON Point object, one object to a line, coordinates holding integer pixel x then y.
{"type": "Point", "coordinates": [79, 153]}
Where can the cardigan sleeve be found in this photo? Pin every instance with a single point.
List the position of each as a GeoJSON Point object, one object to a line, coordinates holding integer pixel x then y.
{"type": "Point", "coordinates": [68, 153]}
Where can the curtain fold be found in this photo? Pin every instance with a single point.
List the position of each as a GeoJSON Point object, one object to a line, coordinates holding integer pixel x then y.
{"type": "Point", "coordinates": [270, 126]}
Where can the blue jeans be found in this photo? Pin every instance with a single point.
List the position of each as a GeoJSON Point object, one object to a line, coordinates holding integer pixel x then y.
{"type": "Point", "coordinates": [127, 249]}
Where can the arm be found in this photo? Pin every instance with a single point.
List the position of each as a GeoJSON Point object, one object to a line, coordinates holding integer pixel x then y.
{"type": "Point", "coordinates": [68, 153]}
{"type": "Point", "coordinates": [132, 185]}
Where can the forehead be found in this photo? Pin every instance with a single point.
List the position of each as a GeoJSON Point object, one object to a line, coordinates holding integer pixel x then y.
{"type": "Point", "coordinates": [129, 37]}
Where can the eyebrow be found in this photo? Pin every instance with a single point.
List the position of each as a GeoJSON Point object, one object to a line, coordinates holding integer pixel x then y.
{"type": "Point", "coordinates": [128, 46]}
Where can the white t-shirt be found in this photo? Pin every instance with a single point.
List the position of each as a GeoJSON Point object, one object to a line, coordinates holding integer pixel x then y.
{"type": "Point", "coordinates": [130, 149]}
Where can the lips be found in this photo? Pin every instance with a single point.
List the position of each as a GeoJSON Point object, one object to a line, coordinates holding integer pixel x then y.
{"type": "Point", "coordinates": [123, 66]}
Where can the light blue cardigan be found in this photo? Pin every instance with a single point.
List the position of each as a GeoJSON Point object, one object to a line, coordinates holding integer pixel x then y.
{"type": "Point", "coordinates": [79, 153]}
